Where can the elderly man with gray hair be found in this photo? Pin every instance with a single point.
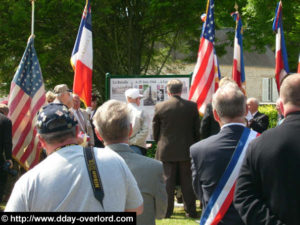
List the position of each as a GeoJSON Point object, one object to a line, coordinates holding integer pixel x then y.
{"type": "Point", "coordinates": [61, 182]}
{"type": "Point", "coordinates": [112, 124]}
{"type": "Point", "coordinates": [139, 120]}
{"type": "Point", "coordinates": [63, 95]}
{"type": "Point", "coordinates": [211, 157]}
{"type": "Point", "coordinates": [257, 121]}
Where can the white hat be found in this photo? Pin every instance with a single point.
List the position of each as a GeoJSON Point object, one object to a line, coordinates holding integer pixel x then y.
{"type": "Point", "coordinates": [133, 93]}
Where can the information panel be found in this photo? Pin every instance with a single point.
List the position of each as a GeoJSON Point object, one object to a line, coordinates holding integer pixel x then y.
{"type": "Point", "coordinates": [153, 88]}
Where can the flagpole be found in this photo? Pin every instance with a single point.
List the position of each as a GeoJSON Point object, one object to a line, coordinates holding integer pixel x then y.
{"type": "Point", "coordinates": [32, 18]}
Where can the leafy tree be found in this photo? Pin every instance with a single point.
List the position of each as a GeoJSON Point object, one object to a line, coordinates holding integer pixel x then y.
{"type": "Point", "coordinates": [130, 36]}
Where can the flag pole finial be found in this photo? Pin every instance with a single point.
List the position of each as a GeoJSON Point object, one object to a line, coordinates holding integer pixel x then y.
{"type": "Point", "coordinates": [236, 6]}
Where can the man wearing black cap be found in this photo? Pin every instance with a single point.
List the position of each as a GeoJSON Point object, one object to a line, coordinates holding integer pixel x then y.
{"type": "Point", "coordinates": [61, 182]}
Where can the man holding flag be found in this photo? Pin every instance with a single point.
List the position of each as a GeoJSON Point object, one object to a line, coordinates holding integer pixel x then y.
{"type": "Point", "coordinates": [26, 97]}
{"type": "Point", "coordinates": [281, 59]}
{"type": "Point", "coordinates": [206, 73]}
{"type": "Point", "coordinates": [82, 58]}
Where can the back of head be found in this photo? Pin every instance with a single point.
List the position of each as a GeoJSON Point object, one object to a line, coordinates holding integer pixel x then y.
{"type": "Point", "coordinates": [4, 109]}
{"type": "Point", "coordinates": [50, 96]}
{"type": "Point", "coordinates": [112, 121]}
{"type": "Point", "coordinates": [174, 86]}
{"type": "Point", "coordinates": [55, 123]}
{"type": "Point", "coordinates": [229, 102]}
{"type": "Point", "coordinates": [290, 90]}
{"type": "Point", "coordinates": [227, 80]}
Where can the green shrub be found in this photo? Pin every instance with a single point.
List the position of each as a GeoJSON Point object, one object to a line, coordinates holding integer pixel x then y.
{"type": "Point", "coordinates": [271, 112]}
{"type": "Point", "coordinates": [151, 151]}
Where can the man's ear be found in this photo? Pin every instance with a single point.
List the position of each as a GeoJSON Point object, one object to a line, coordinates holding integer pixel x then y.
{"type": "Point", "coordinates": [281, 107]}
{"type": "Point", "coordinates": [98, 135]}
{"type": "Point", "coordinates": [131, 130]}
{"type": "Point", "coordinates": [246, 111]}
{"type": "Point", "coordinates": [42, 141]}
{"type": "Point", "coordinates": [216, 116]}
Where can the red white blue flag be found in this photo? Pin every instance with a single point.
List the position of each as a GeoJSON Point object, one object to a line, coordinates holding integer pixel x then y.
{"type": "Point", "coordinates": [222, 196]}
{"type": "Point", "coordinates": [238, 69]}
{"type": "Point", "coordinates": [281, 59]}
{"type": "Point", "coordinates": [206, 73]}
{"type": "Point", "coordinates": [26, 97]}
{"type": "Point", "coordinates": [82, 57]}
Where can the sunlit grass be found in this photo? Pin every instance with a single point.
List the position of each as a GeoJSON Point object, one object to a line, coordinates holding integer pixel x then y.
{"type": "Point", "coordinates": [179, 218]}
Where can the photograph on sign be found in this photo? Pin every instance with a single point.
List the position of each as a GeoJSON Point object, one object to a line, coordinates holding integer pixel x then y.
{"type": "Point", "coordinates": [153, 89]}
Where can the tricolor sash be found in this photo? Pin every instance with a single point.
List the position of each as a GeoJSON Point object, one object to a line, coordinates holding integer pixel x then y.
{"type": "Point", "coordinates": [222, 196]}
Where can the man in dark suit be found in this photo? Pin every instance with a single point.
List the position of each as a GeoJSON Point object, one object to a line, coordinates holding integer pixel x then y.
{"type": "Point", "coordinates": [259, 121]}
{"type": "Point", "coordinates": [211, 156]}
{"type": "Point", "coordinates": [5, 146]}
{"type": "Point", "coordinates": [175, 128]}
{"type": "Point", "coordinates": [209, 126]}
{"type": "Point", "coordinates": [268, 186]}
{"type": "Point", "coordinates": [112, 122]}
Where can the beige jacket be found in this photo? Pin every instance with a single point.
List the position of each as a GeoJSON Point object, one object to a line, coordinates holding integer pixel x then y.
{"type": "Point", "coordinates": [140, 122]}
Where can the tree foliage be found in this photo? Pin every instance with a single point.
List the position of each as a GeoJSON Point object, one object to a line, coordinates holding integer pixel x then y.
{"type": "Point", "coordinates": [130, 37]}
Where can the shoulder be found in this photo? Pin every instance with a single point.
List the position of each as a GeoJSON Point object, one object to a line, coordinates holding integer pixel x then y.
{"type": "Point", "coordinates": [203, 146]}
{"type": "Point", "coordinates": [261, 115]}
{"type": "Point", "coordinates": [188, 103]}
{"type": "Point", "coordinates": [4, 119]}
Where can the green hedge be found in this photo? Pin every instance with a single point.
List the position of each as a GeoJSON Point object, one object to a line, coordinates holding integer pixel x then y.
{"type": "Point", "coordinates": [271, 112]}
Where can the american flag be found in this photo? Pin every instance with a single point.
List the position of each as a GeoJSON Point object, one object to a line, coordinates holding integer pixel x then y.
{"type": "Point", "coordinates": [26, 97]}
{"type": "Point", "coordinates": [82, 57]}
{"type": "Point", "coordinates": [238, 69]}
{"type": "Point", "coordinates": [282, 67]}
{"type": "Point", "coordinates": [206, 72]}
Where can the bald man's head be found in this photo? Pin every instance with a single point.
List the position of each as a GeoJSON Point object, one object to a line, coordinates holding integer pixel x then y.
{"type": "Point", "coordinates": [290, 90]}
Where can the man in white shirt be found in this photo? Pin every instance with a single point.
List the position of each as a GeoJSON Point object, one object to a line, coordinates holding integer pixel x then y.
{"type": "Point", "coordinates": [61, 182]}
{"type": "Point", "coordinates": [139, 120]}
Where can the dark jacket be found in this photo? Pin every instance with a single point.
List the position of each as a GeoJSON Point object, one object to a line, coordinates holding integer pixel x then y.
{"type": "Point", "coordinates": [259, 123]}
{"type": "Point", "coordinates": [210, 158]}
{"type": "Point", "coordinates": [5, 139]}
{"type": "Point", "coordinates": [209, 126]}
{"type": "Point", "coordinates": [176, 124]}
{"type": "Point", "coordinates": [268, 186]}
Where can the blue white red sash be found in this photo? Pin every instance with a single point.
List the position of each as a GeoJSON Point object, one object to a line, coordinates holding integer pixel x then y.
{"type": "Point", "coordinates": [222, 196]}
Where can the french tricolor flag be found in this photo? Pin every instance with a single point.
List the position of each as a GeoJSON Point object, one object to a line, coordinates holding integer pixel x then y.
{"type": "Point", "coordinates": [238, 70]}
{"type": "Point", "coordinates": [281, 60]}
{"type": "Point", "coordinates": [82, 58]}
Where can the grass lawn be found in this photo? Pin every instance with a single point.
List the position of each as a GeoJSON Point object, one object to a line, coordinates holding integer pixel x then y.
{"type": "Point", "coordinates": [178, 218]}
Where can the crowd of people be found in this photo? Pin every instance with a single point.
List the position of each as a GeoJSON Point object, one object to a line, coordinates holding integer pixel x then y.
{"type": "Point", "coordinates": [192, 154]}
